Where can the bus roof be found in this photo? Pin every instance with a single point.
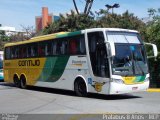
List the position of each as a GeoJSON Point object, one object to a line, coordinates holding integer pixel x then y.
{"type": "Point", "coordinates": [44, 37]}
{"type": "Point", "coordinates": [111, 29]}
{"type": "Point", "coordinates": [66, 34]}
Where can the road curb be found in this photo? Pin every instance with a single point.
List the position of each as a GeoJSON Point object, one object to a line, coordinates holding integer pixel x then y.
{"type": "Point", "coordinates": [153, 90]}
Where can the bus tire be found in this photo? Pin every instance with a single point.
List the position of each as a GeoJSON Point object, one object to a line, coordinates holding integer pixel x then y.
{"type": "Point", "coordinates": [16, 81]}
{"type": "Point", "coordinates": [80, 87]}
{"type": "Point", "coordinates": [23, 82]}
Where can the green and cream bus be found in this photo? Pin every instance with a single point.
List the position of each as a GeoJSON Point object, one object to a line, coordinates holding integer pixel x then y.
{"type": "Point", "coordinates": [98, 60]}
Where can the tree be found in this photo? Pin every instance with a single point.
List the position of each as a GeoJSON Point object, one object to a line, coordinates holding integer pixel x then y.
{"type": "Point", "coordinates": [72, 22]}
{"type": "Point", "coordinates": [151, 12]}
{"type": "Point", "coordinates": [126, 20]}
{"type": "Point", "coordinates": [3, 36]}
{"type": "Point", "coordinates": [152, 35]}
{"type": "Point", "coordinates": [3, 39]}
{"type": "Point", "coordinates": [153, 27]}
{"type": "Point", "coordinates": [28, 31]}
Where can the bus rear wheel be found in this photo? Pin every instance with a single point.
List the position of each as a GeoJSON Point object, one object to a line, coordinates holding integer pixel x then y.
{"type": "Point", "coordinates": [23, 82]}
{"type": "Point", "coordinates": [80, 88]}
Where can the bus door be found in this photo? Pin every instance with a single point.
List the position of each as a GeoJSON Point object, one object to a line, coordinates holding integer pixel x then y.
{"type": "Point", "coordinates": [98, 60]}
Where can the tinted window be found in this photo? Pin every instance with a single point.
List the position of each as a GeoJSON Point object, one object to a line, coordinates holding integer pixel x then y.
{"type": "Point", "coordinates": [7, 53]}
{"type": "Point", "coordinates": [77, 45]}
{"type": "Point", "coordinates": [74, 45]}
{"type": "Point", "coordinates": [23, 52]}
{"type": "Point", "coordinates": [48, 48]}
{"type": "Point", "coordinates": [42, 49]}
{"type": "Point", "coordinates": [14, 52]}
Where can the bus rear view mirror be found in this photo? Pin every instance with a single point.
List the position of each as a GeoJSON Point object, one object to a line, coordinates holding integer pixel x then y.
{"type": "Point", "coordinates": [155, 50]}
{"type": "Point", "coordinates": [151, 50]}
{"type": "Point", "coordinates": [111, 47]}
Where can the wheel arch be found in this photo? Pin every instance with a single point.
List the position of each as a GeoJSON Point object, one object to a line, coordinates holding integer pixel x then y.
{"type": "Point", "coordinates": [80, 77]}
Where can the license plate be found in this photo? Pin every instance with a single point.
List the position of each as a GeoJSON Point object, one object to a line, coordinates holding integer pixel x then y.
{"type": "Point", "coordinates": [134, 88]}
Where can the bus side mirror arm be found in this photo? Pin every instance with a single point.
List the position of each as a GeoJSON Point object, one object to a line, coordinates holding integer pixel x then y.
{"type": "Point", "coordinates": [155, 50]}
{"type": "Point", "coordinates": [111, 47]}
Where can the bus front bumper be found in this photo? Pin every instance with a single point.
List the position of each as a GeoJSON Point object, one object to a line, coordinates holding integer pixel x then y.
{"type": "Point", "coordinates": [119, 88]}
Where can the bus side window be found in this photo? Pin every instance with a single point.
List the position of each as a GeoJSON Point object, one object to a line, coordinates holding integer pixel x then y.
{"type": "Point", "coordinates": [54, 47]}
{"type": "Point", "coordinates": [64, 47]}
{"type": "Point", "coordinates": [7, 53]}
{"type": "Point", "coordinates": [82, 48]}
{"type": "Point", "coordinates": [59, 46]}
{"type": "Point", "coordinates": [15, 53]}
{"type": "Point", "coordinates": [34, 50]}
{"type": "Point", "coordinates": [48, 49]}
{"type": "Point", "coordinates": [23, 52]}
{"type": "Point", "coordinates": [12, 53]}
{"type": "Point", "coordinates": [41, 49]}
{"type": "Point", "coordinates": [29, 51]}
{"type": "Point", "coordinates": [73, 46]}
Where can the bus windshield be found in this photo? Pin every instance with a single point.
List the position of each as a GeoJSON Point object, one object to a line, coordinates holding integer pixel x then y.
{"type": "Point", "coordinates": [130, 58]}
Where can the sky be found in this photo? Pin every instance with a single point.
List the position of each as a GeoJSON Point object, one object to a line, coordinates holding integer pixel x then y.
{"type": "Point", "coordinates": [17, 13]}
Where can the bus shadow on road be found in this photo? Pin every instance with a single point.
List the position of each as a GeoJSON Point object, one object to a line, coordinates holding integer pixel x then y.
{"type": "Point", "coordinates": [51, 90]}
{"type": "Point", "coordinates": [113, 97]}
{"type": "Point", "coordinates": [71, 93]}
{"type": "Point", "coordinates": [90, 95]}
{"type": "Point", "coordinates": [7, 85]}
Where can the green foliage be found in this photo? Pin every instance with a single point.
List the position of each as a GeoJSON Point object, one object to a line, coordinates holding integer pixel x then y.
{"type": "Point", "coordinates": [3, 36]}
{"type": "Point", "coordinates": [3, 39]}
{"type": "Point", "coordinates": [70, 22]}
{"type": "Point", "coordinates": [73, 22]}
{"type": "Point", "coordinates": [152, 35]}
{"type": "Point", "coordinates": [153, 28]}
{"type": "Point", "coordinates": [126, 20]}
{"type": "Point", "coordinates": [153, 32]}
{"type": "Point", "coordinates": [19, 36]}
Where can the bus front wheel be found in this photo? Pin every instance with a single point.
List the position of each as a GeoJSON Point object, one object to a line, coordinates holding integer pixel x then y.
{"type": "Point", "coordinates": [80, 88]}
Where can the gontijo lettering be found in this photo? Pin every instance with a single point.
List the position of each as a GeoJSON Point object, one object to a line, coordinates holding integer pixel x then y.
{"type": "Point", "coordinates": [29, 62]}
{"type": "Point", "coordinates": [78, 62]}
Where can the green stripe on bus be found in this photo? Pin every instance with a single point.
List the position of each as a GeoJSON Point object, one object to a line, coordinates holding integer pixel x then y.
{"type": "Point", "coordinates": [140, 78]}
{"type": "Point", "coordinates": [47, 69]}
{"type": "Point", "coordinates": [53, 69]}
{"type": "Point", "coordinates": [68, 34]}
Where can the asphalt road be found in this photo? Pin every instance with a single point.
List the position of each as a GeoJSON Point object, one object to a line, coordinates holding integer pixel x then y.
{"type": "Point", "coordinates": [35, 100]}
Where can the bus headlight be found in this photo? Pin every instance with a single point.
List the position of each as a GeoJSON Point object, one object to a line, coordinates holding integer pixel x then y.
{"type": "Point", "coordinates": [118, 81]}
